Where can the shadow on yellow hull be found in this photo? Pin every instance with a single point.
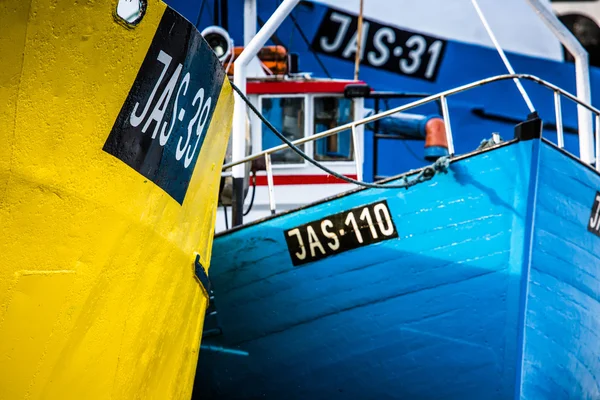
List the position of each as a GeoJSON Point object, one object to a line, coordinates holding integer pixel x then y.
{"type": "Point", "coordinates": [113, 137]}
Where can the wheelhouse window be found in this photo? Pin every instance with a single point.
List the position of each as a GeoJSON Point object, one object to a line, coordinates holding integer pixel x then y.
{"type": "Point", "coordinates": [330, 112]}
{"type": "Point", "coordinates": [287, 115]}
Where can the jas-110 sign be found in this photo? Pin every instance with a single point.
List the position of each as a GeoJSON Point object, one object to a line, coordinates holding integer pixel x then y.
{"type": "Point", "coordinates": [350, 229]}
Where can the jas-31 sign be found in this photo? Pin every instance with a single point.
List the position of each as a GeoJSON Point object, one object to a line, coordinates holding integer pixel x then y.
{"type": "Point", "coordinates": [387, 47]}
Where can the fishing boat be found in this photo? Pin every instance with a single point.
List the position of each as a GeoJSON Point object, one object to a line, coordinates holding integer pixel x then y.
{"type": "Point", "coordinates": [114, 119]}
{"type": "Point", "coordinates": [473, 277]}
{"type": "Point", "coordinates": [479, 283]}
{"type": "Point", "coordinates": [428, 47]}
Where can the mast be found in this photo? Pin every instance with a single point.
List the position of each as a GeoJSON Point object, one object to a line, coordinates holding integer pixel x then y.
{"type": "Point", "coordinates": [240, 110]}
{"type": "Point", "coordinates": [359, 41]}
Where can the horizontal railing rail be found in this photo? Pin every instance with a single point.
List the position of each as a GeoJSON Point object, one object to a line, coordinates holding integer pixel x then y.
{"type": "Point", "coordinates": [442, 98]}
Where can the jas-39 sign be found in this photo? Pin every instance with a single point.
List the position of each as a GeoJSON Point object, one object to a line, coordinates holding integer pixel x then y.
{"type": "Point", "coordinates": [161, 127]}
{"type": "Point", "coordinates": [387, 47]}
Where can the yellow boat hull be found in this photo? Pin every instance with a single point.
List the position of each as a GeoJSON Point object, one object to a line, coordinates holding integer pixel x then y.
{"type": "Point", "coordinates": [101, 219]}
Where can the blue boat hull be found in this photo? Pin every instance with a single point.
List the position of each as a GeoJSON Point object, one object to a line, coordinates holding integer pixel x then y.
{"type": "Point", "coordinates": [490, 291]}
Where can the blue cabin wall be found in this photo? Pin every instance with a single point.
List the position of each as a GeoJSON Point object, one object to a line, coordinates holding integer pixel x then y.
{"type": "Point", "coordinates": [562, 324]}
{"type": "Point", "coordinates": [432, 314]}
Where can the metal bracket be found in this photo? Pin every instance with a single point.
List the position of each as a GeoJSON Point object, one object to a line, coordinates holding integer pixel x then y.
{"type": "Point", "coordinates": [202, 278]}
{"type": "Point", "coordinates": [529, 129]}
{"type": "Point", "coordinates": [210, 329]}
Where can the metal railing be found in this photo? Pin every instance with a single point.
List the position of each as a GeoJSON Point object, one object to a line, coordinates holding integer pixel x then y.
{"type": "Point", "coordinates": [442, 97]}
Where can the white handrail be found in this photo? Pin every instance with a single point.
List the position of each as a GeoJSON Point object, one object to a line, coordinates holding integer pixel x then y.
{"type": "Point", "coordinates": [238, 136]}
{"type": "Point", "coordinates": [357, 158]}
{"type": "Point", "coordinates": [582, 77]}
{"type": "Point", "coordinates": [597, 142]}
{"type": "Point", "coordinates": [270, 183]}
{"type": "Point", "coordinates": [443, 95]}
{"type": "Point", "coordinates": [559, 125]}
{"type": "Point", "coordinates": [238, 141]}
{"type": "Point", "coordinates": [446, 117]}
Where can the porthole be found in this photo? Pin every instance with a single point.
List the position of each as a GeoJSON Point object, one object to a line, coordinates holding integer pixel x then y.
{"type": "Point", "coordinates": [131, 12]}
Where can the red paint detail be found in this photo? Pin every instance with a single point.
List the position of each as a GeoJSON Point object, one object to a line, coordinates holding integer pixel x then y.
{"type": "Point", "coordinates": [261, 180]}
{"type": "Point", "coordinates": [287, 87]}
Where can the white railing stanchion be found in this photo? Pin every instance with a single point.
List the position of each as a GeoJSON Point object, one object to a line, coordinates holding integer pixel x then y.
{"type": "Point", "coordinates": [357, 160]}
{"type": "Point", "coordinates": [240, 65]}
{"type": "Point", "coordinates": [446, 116]}
{"type": "Point", "coordinates": [270, 183]}
{"type": "Point", "coordinates": [582, 76]}
{"type": "Point", "coordinates": [559, 123]}
{"type": "Point", "coordinates": [597, 142]}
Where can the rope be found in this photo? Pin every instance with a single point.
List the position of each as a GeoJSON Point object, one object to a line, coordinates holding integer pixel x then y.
{"type": "Point", "coordinates": [253, 194]}
{"type": "Point", "coordinates": [427, 173]}
{"type": "Point", "coordinates": [486, 143]}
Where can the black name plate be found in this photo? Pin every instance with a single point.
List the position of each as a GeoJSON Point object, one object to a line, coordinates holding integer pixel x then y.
{"type": "Point", "coordinates": [594, 221]}
{"type": "Point", "coordinates": [350, 229]}
{"type": "Point", "coordinates": [161, 127]}
{"type": "Point", "coordinates": [387, 47]}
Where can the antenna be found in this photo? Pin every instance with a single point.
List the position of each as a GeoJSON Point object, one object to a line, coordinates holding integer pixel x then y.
{"type": "Point", "coordinates": [503, 56]}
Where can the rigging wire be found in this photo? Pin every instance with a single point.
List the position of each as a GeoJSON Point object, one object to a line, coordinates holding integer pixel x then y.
{"type": "Point", "coordinates": [307, 42]}
{"type": "Point", "coordinates": [427, 173]}
{"type": "Point", "coordinates": [226, 219]}
{"type": "Point", "coordinates": [253, 193]}
{"type": "Point", "coordinates": [507, 63]}
{"type": "Point", "coordinates": [200, 13]}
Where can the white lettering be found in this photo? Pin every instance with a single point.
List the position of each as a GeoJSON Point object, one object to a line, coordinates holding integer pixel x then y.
{"type": "Point", "coordinates": [367, 215]}
{"type": "Point", "coordinates": [350, 219]}
{"type": "Point", "coordinates": [344, 24]}
{"type": "Point", "coordinates": [381, 213]}
{"type": "Point", "coordinates": [415, 54]}
{"type": "Point", "coordinates": [376, 59]}
{"type": "Point", "coordinates": [180, 150]}
{"type": "Point", "coordinates": [185, 82]}
{"type": "Point", "coordinates": [434, 50]}
{"type": "Point", "coordinates": [163, 101]}
{"type": "Point", "coordinates": [203, 118]}
{"type": "Point", "coordinates": [330, 235]}
{"type": "Point", "coordinates": [296, 232]}
{"type": "Point", "coordinates": [313, 241]}
{"type": "Point", "coordinates": [595, 220]}
{"type": "Point", "coordinates": [352, 45]}
{"type": "Point", "coordinates": [135, 120]}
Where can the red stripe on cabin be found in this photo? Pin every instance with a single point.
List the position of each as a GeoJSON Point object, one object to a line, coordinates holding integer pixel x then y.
{"type": "Point", "coordinates": [261, 180]}
{"type": "Point", "coordinates": [286, 87]}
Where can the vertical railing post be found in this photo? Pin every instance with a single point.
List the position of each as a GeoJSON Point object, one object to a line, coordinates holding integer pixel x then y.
{"type": "Point", "coordinates": [559, 123]}
{"type": "Point", "coordinates": [357, 158]}
{"type": "Point", "coordinates": [375, 139]}
{"type": "Point", "coordinates": [446, 116]}
{"type": "Point", "coordinates": [238, 133]}
{"type": "Point", "coordinates": [582, 75]}
{"type": "Point", "coordinates": [597, 142]}
{"type": "Point", "coordinates": [270, 183]}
